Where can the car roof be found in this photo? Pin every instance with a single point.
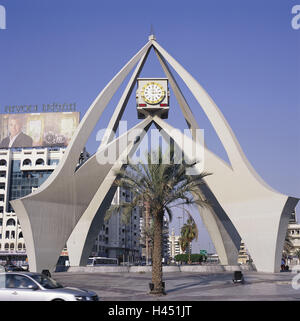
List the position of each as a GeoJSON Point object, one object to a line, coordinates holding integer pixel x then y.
{"type": "Point", "coordinates": [23, 273]}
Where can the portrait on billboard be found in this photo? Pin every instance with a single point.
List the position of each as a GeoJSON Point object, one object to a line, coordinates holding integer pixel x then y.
{"type": "Point", "coordinates": [16, 137]}
{"type": "Point", "coordinates": [37, 130]}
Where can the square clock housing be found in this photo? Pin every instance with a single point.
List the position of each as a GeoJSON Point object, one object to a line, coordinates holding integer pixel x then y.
{"type": "Point", "coordinates": [152, 97]}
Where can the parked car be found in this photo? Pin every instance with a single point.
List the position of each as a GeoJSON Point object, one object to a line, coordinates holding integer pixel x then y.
{"type": "Point", "coordinates": [27, 286]}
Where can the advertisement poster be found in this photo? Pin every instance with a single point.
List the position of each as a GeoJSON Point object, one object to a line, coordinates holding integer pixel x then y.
{"type": "Point", "coordinates": [37, 130]}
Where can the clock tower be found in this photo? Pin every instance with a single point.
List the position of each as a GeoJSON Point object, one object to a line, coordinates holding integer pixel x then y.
{"type": "Point", "coordinates": [152, 97]}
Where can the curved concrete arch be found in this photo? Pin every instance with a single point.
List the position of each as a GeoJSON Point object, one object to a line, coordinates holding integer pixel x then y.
{"type": "Point", "coordinates": [81, 240]}
{"type": "Point", "coordinates": [235, 154]}
{"type": "Point", "coordinates": [259, 215]}
{"type": "Point", "coordinates": [250, 203]}
{"type": "Point", "coordinates": [47, 232]}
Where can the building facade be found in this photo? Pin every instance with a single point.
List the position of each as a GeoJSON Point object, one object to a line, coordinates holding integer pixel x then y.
{"type": "Point", "coordinates": [22, 171]}
{"type": "Point", "coordinates": [174, 245]}
{"type": "Point", "coordinates": [243, 257]}
{"type": "Point", "coordinates": [293, 236]}
{"type": "Point", "coordinates": [117, 239]}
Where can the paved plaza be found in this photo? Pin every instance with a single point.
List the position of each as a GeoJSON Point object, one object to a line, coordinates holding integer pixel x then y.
{"type": "Point", "coordinates": [181, 286]}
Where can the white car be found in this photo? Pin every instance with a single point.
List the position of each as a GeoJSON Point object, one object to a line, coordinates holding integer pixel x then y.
{"type": "Point", "coordinates": [27, 286]}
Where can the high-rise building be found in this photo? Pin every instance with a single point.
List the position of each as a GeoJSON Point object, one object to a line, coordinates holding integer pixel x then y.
{"type": "Point", "coordinates": [174, 245]}
{"type": "Point", "coordinates": [22, 171]}
{"type": "Point", "coordinates": [243, 257]}
{"type": "Point", "coordinates": [293, 235]}
{"type": "Point", "coordinates": [117, 239]}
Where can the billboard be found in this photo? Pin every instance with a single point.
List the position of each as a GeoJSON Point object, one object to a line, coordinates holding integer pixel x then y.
{"type": "Point", "coordinates": [37, 130]}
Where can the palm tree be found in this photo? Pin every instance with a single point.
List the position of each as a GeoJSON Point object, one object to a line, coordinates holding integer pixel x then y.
{"type": "Point", "coordinates": [189, 232]}
{"type": "Point", "coordinates": [163, 185]}
{"type": "Point", "coordinates": [183, 243]}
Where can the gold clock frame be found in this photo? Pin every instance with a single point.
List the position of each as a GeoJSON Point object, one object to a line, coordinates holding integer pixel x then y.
{"type": "Point", "coordinates": [150, 102]}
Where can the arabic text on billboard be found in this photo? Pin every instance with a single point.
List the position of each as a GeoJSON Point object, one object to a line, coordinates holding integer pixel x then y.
{"type": "Point", "coordinates": [37, 130]}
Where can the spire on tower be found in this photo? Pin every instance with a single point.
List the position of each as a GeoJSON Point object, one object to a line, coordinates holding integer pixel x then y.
{"type": "Point", "coordinates": [151, 35]}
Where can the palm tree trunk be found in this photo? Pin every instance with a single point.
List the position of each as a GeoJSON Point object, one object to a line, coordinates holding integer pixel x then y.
{"type": "Point", "coordinates": [157, 254]}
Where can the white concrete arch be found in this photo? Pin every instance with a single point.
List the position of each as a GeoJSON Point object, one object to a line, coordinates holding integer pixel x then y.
{"type": "Point", "coordinates": [46, 231]}
{"type": "Point", "coordinates": [260, 216]}
{"type": "Point", "coordinates": [259, 213]}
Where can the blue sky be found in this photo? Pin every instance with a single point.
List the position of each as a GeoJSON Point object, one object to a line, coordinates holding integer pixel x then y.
{"type": "Point", "coordinates": [244, 53]}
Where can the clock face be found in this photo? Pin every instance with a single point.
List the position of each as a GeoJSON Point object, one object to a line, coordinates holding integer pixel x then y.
{"type": "Point", "coordinates": [153, 93]}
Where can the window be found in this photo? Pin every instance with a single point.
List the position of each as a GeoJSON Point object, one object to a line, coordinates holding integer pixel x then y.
{"type": "Point", "coordinates": [15, 281]}
{"type": "Point", "coordinates": [11, 222]}
{"type": "Point", "coordinates": [6, 246]}
{"type": "Point", "coordinates": [12, 234]}
{"type": "Point", "coordinates": [7, 237]}
{"type": "Point", "coordinates": [12, 246]}
{"type": "Point", "coordinates": [20, 246]}
{"type": "Point", "coordinates": [40, 161]}
{"type": "Point", "coordinates": [53, 161]}
{"type": "Point", "coordinates": [20, 235]}
{"type": "Point", "coordinates": [27, 162]}
{"type": "Point", "coordinates": [3, 162]}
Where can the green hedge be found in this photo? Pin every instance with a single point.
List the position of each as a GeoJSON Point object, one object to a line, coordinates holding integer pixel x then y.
{"type": "Point", "coordinates": [194, 258]}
